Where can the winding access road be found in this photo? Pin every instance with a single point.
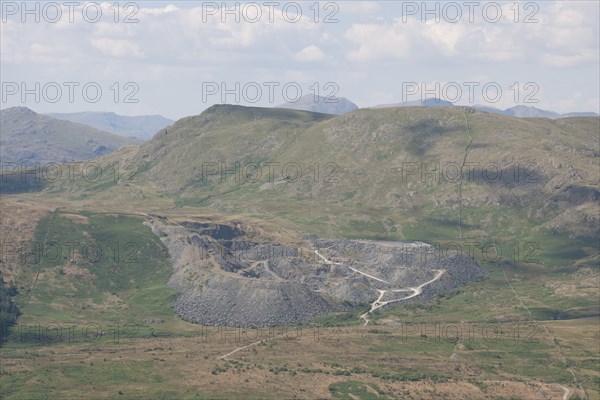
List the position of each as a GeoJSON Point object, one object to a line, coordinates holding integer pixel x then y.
{"type": "Point", "coordinates": [379, 303]}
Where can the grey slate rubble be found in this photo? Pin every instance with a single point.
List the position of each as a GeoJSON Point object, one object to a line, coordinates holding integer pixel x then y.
{"type": "Point", "coordinates": [227, 278]}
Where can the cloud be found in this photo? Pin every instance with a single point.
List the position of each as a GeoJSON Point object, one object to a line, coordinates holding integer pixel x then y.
{"type": "Point", "coordinates": [117, 48]}
{"type": "Point", "coordinates": [368, 53]}
{"type": "Point", "coordinates": [565, 36]}
{"type": "Point", "coordinates": [445, 37]}
{"type": "Point", "coordinates": [570, 60]}
{"type": "Point", "coordinates": [378, 42]}
{"type": "Point", "coordinates": [309, 54]}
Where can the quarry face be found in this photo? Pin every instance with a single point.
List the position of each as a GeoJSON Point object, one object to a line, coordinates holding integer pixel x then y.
{"type": "Point", "coordinates": [228, 277]}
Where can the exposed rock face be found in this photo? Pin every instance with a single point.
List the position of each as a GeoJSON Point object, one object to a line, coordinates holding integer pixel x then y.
{"type": "Point", "coordinates": [216, 231]}
{"type": "Point", "coordinates": [228, 278]}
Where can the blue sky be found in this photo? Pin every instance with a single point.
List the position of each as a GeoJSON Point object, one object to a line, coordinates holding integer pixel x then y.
{"type": "Point", "coordinates": [370, 52]}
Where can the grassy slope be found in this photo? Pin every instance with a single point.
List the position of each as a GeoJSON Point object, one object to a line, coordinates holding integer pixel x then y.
{"type": "Point", "coordinates": [96, 268]}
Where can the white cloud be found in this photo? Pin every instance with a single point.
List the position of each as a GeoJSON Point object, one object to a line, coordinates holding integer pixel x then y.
{"type": "Point", "coordinates": [378, 42]}
{"type": "Point", "coordinates": [444, 36]}
{"type": "Point", "coordinates": [117, 48]}
{"type": "Point", "coordinates": [368, 53]}
{"type": "Point", "coordinates": [565, 36]}
{"type": "Point", "coordinates": [576, 102]}
{"type": "Point", "coordinates": [309, 54]}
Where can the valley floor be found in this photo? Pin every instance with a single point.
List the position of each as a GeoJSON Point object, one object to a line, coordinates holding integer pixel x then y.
{"type": "Point", "coordinates": [396, 364]}
{"type": "Point", "coordinates": [492, 339]}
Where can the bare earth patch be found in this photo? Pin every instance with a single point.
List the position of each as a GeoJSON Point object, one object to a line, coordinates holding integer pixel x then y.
{"type": "Point", "coordinates": [79, 219]}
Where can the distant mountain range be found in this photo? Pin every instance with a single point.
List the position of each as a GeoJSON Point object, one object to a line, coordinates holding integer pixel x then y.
{"type": "Point", "coordinates": [418, 103]}
{"type": "Point", "coordinates": [343, 106]}
{"type": "Point", "coordinates": [140, 126]}
{"type": "Point", "coordinates": [516, 111]}
{"type": "Point", "coordinates": [145, 126]}
{"type": "Point", "coordinates": [36, 138]}
{"type": "Point", "coordinates": [532, 112]}
{"type": "Point", "coordinates": [325, 105]}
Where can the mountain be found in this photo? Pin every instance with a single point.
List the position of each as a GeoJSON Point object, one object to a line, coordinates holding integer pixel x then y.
{"type": "Point", "coordinates": [522, 111]}
{"type": "Point", "coordinates": [140, 126]}
{"type": "Point", "coordinates": [579, 114]}
{"type": "Point", "coordinates": [530, 112]}
{"type": "Point", "coordinates": [418, 103]}
{"type": "Point", "coordinates": [35, 138]}
{"type": "Point", "coordinates": [325, 105]}
{"type": "Point", "coordinates": [373, 171]}
{"type": "Point", "coordinates": [519, 111]}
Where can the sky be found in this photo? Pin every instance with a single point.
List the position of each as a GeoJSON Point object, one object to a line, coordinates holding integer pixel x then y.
{"type": "Point", "coordinates": [178, 58]}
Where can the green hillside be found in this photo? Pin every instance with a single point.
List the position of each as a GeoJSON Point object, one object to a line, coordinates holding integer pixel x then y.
{"type": "Point", "coordinates": [388, 173]}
